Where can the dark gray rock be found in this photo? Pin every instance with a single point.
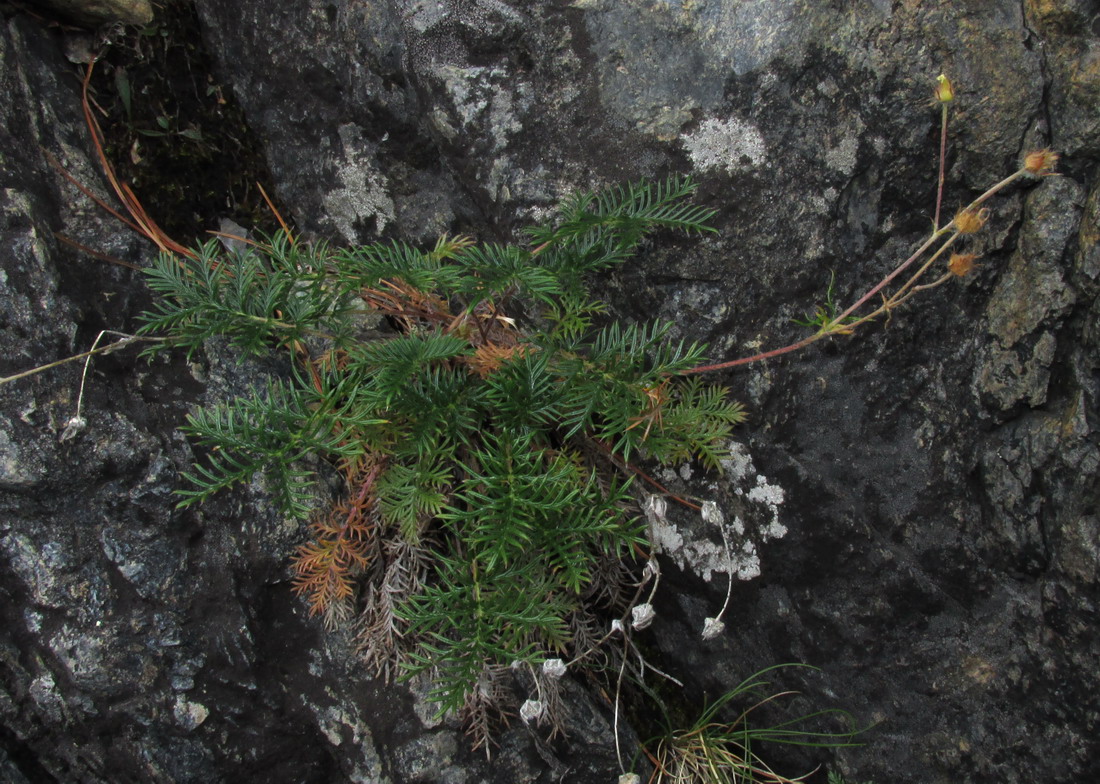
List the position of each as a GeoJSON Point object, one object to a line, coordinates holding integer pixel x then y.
{"type": "Point", "coordinates": [93, 13]}
{"type": "Point", "coordinates": [913, 509]}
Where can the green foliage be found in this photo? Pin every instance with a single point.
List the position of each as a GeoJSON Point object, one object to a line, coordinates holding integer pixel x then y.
{"type": "Point", "coordinates": [597, 230]}
{"type": "Point", "coordinates": [825, 318]}
{"type": "Point", "coordinates": [273, 431]}
{"type": "Point", "coordinates": [722, 751]}
{"type": "Point", "coordinates": [257, 300]}
{"type": "Point", "coordinates": [476, 450]}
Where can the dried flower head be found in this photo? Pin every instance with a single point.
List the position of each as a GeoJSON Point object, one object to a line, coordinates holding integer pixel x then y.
{"type": "Point", "coordinates": [961, 264]}
{"type": "Point", "coordinates": [971, 221]}
{"type": "Point", "coordinates": [655, 507]}
{"type": "Point", "coordinates": [616, 627]}
{"type": "Point", "coordinates": [945, 91]}
{"type": "Point", "coordinates": [1041, 162]}
{"type": "Point", "coordinates": [553, 668]}
{"type": "Point", "coordinates": [531, 710]}
{"type": "Point", "coordinates": [711, 513]}
{"type": "Point", "coordinates": [630, 778]}
{"type": "Point", "coordinates": [73, 427]}
{"type": "Point", "coordinates": [712, 627]}
{"type": "Point", "coordinates": [642, 615]}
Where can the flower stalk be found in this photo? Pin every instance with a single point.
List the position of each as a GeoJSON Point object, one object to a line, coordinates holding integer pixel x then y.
{"type": "Point", "coordinates": [968, 220]}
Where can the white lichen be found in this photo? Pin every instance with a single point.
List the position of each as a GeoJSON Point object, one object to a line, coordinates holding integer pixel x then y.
{"type": "Point", "coordinates": [361, 194]}
{"type": "Point", "coordinates": [696, 550]}
{"type": "Point", "coordinates": [732, 145]}
{"type": "Point", "coordinates": [842, 157]}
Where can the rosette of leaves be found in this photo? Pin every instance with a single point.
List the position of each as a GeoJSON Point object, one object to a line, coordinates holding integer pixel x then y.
{"type": "Point", "coordinates": [482, 443]}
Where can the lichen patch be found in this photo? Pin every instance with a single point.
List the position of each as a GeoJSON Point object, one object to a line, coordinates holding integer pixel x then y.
{"type": "Point", "coordinates": [732, 145]}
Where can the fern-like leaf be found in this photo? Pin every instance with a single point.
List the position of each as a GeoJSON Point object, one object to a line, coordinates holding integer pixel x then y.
{"type": "Point", "coordinates": [411, 495]}
{"type": "Point", "coordinates": [257, 301]}
{"type": "Point", "coordinates": [369, 265]}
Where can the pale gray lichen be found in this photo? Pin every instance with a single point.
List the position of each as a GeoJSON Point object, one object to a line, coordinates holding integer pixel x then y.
{"type": "Point", "coordinates": [695, 549]}
{"type": "Point", "coordinates": [41, 566]}
{"type": "Point", "coordinates": [43, 691]}
{"type": "Point", "coordinates": [482, 94]}
{"type": "Point", "coordinates": [423, 15]}
{"type": "Point", "coordinates": [362, 190]}
{"type": "Point", "coordinates": [13, 469]}
{"type": "Point", "coordinates": [466, 90]}
{"type": "Point", "coordinates": [842, 157]}
{"type": "Point", "coordinates": [730, 144]}
{"type": "Point", "coordinates": [339, 726]}
{"type": "Point", "coordinates": [665, 122]}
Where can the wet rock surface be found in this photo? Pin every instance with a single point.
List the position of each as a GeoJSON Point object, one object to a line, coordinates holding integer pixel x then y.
{"type": "Point", "coordinates": [913, 510]}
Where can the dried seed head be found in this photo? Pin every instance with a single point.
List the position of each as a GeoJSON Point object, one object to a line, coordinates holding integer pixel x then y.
{"type": "Point", "coordinates": [712, 627]}
{"type": "Point", "coordinates": [531, 710]}
{"type": "Point", "coordinates": [655, 507]}
{"type": "Point", "coordinates": [643, 615]}
{"type": "Point", "coordinates": [630, 778]}
{"type": "Point", "coordinates": [945, 91]}
{"type": "Point", "coordinates": [961, 264]}
{"type": "Point", "coordinates": [970, 221]}
{"type": "Point", "coordinates": [711, 513]}
{"type": "Point", "coordinates": [553, 668]}
{"type": "Point", "coordinates": [616, 627]}
{"type": "Point", "coordinates": [1041, 162]}
{"type": "Point", "coordinates": [73, 427]}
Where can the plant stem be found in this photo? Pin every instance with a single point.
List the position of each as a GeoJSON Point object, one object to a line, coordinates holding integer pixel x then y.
{"type": "Point", "coordinates": [283, 325]}
{"type": "Point", "coordinates": [837, 325]}
{"type": "Point", "coordinates": [625, 465]}
{"type": "Point", "coordinates": [84, 373]}
{"type": "Point", "coordinates": [997, 188]}
{"type": "Point", "coordinates": [118, 344]}
{"type": "Point", "coordinates": [756, 357]}
{"type": "Point", "coordinates": [897, 271]}
{"type": "Point", "coordinates": [943, 161]}
{"type": "Point", "coordinates": [904, 292]}
{"type": "Point", "coordinates": [618, 689]}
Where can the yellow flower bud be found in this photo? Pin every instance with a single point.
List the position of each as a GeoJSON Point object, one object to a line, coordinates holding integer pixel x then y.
{"type": "Point", "coordinates": [945, 92]}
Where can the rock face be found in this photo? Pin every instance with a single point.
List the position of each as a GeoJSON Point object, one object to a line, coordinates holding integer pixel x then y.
{"type": "Point", "coordinates": [913, 510]}
{"type": "Point", "coordinates": [92, 13]}
{"type": "Point", "coordinates": [141, 643]}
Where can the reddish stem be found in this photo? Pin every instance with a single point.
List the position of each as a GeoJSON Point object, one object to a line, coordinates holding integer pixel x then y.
{"type": "Point", "coordinates": [818, 335]}
{"type": "Point", "coordinates": [943, 160]}
{"type": "Point", "coordinates": [755, 357]}
{"type": "Point", "coordinates": [629, 467]}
